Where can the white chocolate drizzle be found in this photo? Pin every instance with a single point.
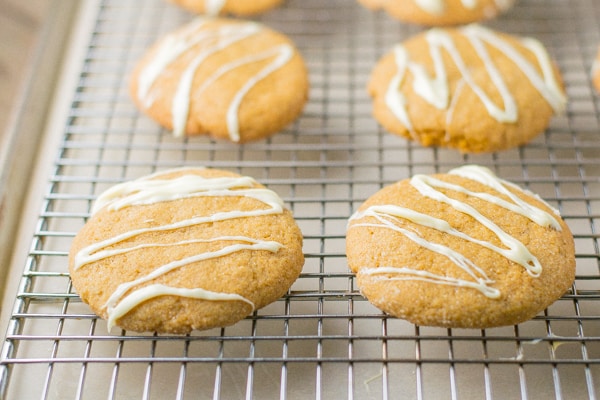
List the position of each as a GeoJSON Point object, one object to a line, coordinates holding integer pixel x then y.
{"type": "Point", "coordinates": [387, 217]}
{"type": "Point", "coordinates": [435, 7]}
{"type": "Point", "coordinates": [214, 7]}
{"type": "Point", "coordinates": [211, 39]}
{"type": "Point", "coordinates": [436, 90]}
{"type": "Point", "coordinates": [149, 292]}
{"type": "Point", "coordinates": [438, 7]}
{"type": "Point", "coordinates": [150, 190]}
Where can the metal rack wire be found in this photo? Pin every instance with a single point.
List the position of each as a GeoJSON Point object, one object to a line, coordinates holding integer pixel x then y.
{"type": "Point", "coordinates": [322, 340]}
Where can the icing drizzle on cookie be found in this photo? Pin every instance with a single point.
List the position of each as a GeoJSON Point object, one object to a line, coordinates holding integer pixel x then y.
{"type": "Point", "coordinates": [435, 90]}
{"type": "Point", "coordinates": [150, 190]}
{"type": "Point", "coordinates": [387, 217]}
{"type": "Point", "coordinates": [211, 38]}
{"type": "Point", "coordinates": [214, 7]}
{"type": "Point", "coordinates": [437, 7]}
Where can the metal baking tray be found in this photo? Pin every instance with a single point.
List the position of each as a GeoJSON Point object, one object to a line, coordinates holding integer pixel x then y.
{"type": "Point", "coordinates": [321, 340]}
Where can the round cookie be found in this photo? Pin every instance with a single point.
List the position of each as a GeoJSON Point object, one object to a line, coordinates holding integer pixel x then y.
{"type": "Point", "coordinates": [185, 249]}
{"type": "Point", "coordinates": [469, 88]}
{"type": "Point", "coordinates": [440, 12]}
{"type": "Point", "coordinates": [596, 71]}
{"type": "Point", "coordinates": [220, 7]}
{"type": "Point", "coordinates": [234, 80]}
{"type": "Point", "coordinates": [463, 249]}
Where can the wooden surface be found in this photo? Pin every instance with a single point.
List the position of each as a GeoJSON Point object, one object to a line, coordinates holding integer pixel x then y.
{"type": "Point", "coordinates": [20, 24]}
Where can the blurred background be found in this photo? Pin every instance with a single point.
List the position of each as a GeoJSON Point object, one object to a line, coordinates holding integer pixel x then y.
{"type": "Point", "coordinates": [20, 26]}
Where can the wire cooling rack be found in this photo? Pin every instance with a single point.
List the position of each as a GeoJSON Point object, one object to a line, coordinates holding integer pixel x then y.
{"type": "Point", "coordinates": [322, 340]}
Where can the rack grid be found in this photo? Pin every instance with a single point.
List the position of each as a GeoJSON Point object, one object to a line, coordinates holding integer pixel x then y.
{"type": "Point", "coordinates": [321, 340]}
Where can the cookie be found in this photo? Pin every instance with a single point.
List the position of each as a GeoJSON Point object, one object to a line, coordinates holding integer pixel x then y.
{"type": "Point", "coordinates": [220, 7]}
{"type": "Point", "coordinates": [185, 249]}
{"type": "Point", "coordinates": [233, 80]}
{"type": "Point", "coordinates": [596, 71]}
{"type": "Point", "coordinates": [468, 88]}
{"type": "Point", "coordinates": [463, 249]}
{"type": "Point", "coordinates": [440, 12]}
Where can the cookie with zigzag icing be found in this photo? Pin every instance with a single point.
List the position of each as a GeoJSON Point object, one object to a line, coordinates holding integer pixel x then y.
{"type": "Point", "coordinates": [233, 80]}
{"type": "Point", "coordinates": [221, 7]}
{"type": "Point", "coordinates": [463, 249]}
{"type": "Point", "coordinates": [469, 88]}
{"type": "Point", "coordinates": [440, 12]}
{"type": "Point", "coordinates": [185, 249]}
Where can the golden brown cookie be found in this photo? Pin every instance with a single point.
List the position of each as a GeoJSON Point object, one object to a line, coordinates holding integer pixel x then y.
{"type": "Point", "coordinates": [440, 12]}
{"type": "Point", "coordinates": [469, 88]}
{"type": "Point", "coordinates": [596, 71]}
{"type": "Point", "coordinates": [185, 249]}
{"type": "Point", "coordinates": [463, 249]}
{"type": "Point", "coordinates": [220, 7]}
{"type": "Point", "coordinates": [234, 80]}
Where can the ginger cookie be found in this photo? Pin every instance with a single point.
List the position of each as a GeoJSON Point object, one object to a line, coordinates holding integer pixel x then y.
{"type": "Point", "coordinates": [463, 249]}
{"type": "Point", "coordinates": [221, 7]}
{"type": "Point", "coordinates": [234, 80]}
{"type": "Point", "coordinates": [185, 249]}
{"type": "Point", "coordinates": [468, 88]}
{"type": "Point", "coordinates": [440, 12]}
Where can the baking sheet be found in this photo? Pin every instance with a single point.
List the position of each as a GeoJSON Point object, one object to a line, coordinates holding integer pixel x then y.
{"type": "Point", "coordinates": [322, 340]}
